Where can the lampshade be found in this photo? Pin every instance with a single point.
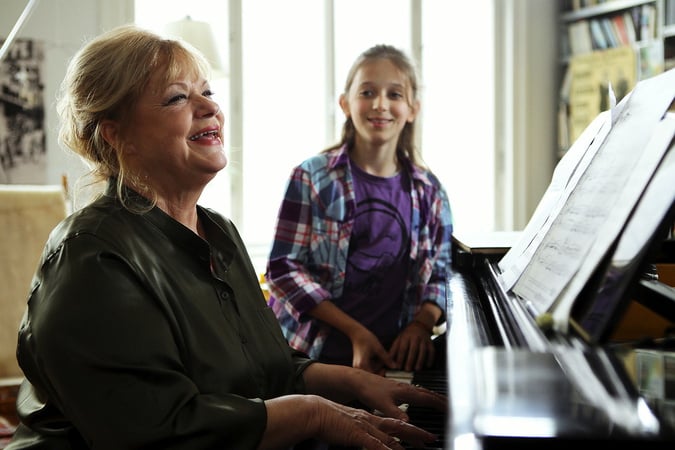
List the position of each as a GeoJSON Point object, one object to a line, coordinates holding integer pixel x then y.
{"type": "Point", "coordinates": [199, 35]}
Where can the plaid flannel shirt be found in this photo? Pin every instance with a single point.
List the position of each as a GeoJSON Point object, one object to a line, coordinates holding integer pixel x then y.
{"type": "Point", "coordinates": [308, 258]}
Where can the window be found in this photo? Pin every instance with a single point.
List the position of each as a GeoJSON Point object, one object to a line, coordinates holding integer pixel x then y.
{"type": "Point", "coordinates": [458, 134]}
{"type": "Point", "coordinates": [294, 59]}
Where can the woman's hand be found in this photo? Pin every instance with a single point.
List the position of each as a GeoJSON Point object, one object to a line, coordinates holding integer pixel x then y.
{"type": "Point", "coordinates": [295, 418]}
{"type": "Point", "coordinates": [386, 395]}
{"type": "Point", "coordinates": [357, 427]}
{"type": "Point", "coordinates": [346, 384]}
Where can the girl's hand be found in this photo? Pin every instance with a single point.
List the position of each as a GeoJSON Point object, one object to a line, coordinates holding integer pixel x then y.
{"type": "Point", "coordinates": [369, 354]}
{"type": "Point", "coordinates": [413, 349]}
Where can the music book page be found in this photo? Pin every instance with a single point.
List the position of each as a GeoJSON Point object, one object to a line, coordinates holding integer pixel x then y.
{"type": "Point", "coordinates": [658, 198]}
{"type": "Point", "coordinates": [653, 154]}
{"type": "Point", "coordinates": [599, 204]}
{"type": "Point", "coordinates": [598, 312]}
{"type": "Point", "coordinates": [565, 176]}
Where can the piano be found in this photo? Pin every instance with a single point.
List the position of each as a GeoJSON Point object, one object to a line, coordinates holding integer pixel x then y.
{"type": "Point", "coordinates": [512, 385]}
{"type": "Point", "coordinates": [514, 377]}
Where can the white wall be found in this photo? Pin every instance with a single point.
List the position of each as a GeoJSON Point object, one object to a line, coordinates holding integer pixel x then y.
{"type": "Point", "coordinates": [63, 25]}
{"type": "Point", "coordinates": [526, 94]}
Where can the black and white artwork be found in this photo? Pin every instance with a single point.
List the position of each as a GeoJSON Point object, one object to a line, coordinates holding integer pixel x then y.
{"type": "Point", "coordinates": [22, 114]}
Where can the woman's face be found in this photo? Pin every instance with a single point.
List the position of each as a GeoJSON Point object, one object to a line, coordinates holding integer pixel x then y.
{"type": "Point", "coordinates": [174, 139]}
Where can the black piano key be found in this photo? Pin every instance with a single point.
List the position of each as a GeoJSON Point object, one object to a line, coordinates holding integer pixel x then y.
{"type": "Point", "coordinates": [427, 418]}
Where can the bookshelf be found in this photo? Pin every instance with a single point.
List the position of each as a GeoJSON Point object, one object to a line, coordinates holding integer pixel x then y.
{"type": "Point", "coordinates": [603, 43]}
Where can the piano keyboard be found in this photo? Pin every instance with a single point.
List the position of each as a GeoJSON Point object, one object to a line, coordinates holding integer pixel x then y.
{"type": "Point", "coordinates": [427, 418]}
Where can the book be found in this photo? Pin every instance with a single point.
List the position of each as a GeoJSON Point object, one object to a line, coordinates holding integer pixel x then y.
{"type": "Point", "coordinates": [591, 76]}
{"type": "Point", "coordinates": [620, 29]}
{"type": "Point", "coordinates": [647, 22]}
{"type": "Point", "coordinates": [651, 59]}
{"type": "Point", "coordinates": [629, 26]}
{"type": "Point", "coordinates": [636, 15]}
{"type": "Point", "coordinates": [669, 16]}
{"type": "Point", "coordinates": [580, 37]}
{"type": "Point", "coordinates": [608, 28]}
{"type": "Point", "coordinates": [598, 35]}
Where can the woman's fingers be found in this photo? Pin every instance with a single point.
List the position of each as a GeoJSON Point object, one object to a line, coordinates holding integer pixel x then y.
{"type": "Point", "coordinates": [407, 433]}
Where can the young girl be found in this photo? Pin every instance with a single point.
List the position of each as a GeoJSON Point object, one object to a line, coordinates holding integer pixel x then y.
{"type": "Point", "coordinates": [358, 268]}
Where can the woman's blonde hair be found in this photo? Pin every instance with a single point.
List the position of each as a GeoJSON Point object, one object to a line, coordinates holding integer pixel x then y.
{"type": "Point", "coordinates": [103, 82]}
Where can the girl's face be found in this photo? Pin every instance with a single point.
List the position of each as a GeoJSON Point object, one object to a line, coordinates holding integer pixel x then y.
{"type": "Point", "coordinates": [379, 103]}
{"type": "Point", "coordinates": [174, 139]}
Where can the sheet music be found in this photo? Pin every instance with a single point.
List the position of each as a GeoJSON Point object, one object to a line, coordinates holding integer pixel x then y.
{"type": "Point", "coordinates": [597, 312]}
{"type": "Point", "coordinates": [658, 198]}
{"type": "Point", "coordinates": [565, 176]}
{"type": "Point", "coordinates": [654, 153]}
{"type": "Point", "coordinates": [599, 204]}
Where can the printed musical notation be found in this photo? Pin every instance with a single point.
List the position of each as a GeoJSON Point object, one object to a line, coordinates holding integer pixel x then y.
{"type": "Point", "coordinates": [587, 215]}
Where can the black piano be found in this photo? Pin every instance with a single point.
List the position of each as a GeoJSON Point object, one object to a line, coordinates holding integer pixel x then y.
{"type": "Point", "coordinates": [513, 385]}
{"type": "Point", "coordinates": [517, 381]}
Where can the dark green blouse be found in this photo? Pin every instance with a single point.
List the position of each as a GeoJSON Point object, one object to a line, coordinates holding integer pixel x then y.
{"type": "Point", "coordinates": [139, 334]}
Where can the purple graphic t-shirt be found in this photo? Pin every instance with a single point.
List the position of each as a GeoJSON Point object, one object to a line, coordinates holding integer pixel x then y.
{"type": "Point", "coordinates": [378, 261]}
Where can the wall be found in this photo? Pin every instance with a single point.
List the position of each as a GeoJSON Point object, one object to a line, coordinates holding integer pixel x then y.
{"type": "Point", "coordinates": [63, 25]}
{"type": "Point", "coordinates": [526, 95]}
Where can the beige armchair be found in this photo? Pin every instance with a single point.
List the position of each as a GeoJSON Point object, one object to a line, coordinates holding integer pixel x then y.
{"type": "Point", "coordinates": [27, 216]}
